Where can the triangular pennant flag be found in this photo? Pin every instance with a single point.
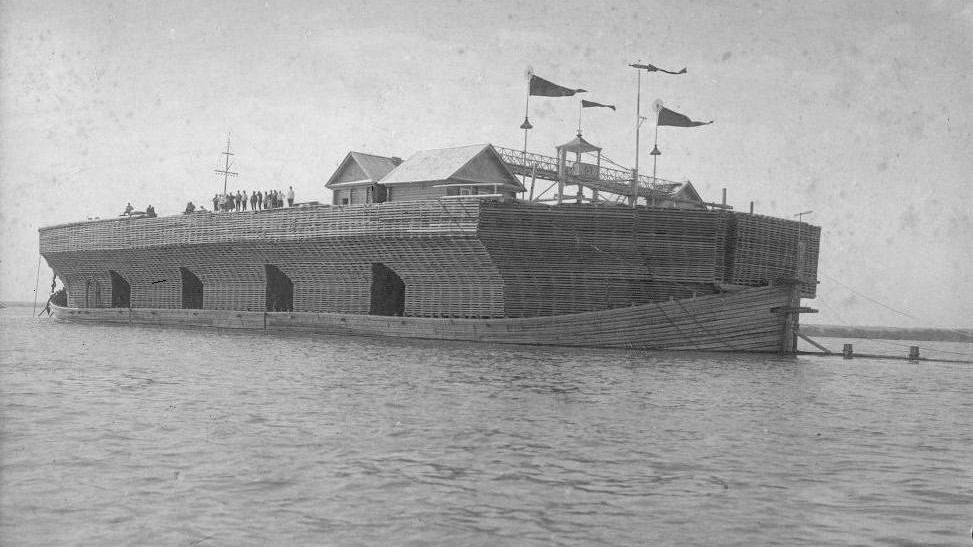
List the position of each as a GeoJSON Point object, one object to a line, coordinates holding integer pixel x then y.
{"type": "Point", "coordinates": [675, 119]}
{"type": "Point", "coordinates": [593, 104]}
{"type": "Point", "coordinates": [543, 88]}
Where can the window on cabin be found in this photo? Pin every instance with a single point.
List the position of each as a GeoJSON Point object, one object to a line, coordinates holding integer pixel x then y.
{"type": "Point", "coordinates": [452, 191]}
{"type": "Point", "coordinates": [465, 191]}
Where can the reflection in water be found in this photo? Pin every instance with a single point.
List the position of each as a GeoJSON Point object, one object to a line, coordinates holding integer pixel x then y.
{"type": "Point", "coordinates": [165, 436]}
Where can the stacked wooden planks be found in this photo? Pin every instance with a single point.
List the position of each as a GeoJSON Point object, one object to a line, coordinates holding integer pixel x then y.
{"type": "Point", "coordinates": [327, 252]}
{"type": "Point", "coordinates": [765, 250]}
{"type": "Point", "coordinates": [457, 258]}
{"type": "Point", "coordinates": [574, 258]}
{"type": "Point", "coordinates": [404, 219]}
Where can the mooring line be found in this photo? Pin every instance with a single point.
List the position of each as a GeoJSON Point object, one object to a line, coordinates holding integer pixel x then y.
{"type": "Point", "coordinates": [37, 281]}
{"type": "Point", "coordinates": [870, 299]}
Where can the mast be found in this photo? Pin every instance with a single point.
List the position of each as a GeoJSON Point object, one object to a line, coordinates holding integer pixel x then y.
{"type": "Point", "coordinates": [638, 126]}
{"type": "Point", "coordinates": [226, 168]}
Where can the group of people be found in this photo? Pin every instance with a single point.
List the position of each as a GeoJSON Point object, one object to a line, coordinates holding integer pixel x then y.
{"type": "Point", "coordinates": [130, 211]}
{"type": "Point", "coordinates": [271, 199]}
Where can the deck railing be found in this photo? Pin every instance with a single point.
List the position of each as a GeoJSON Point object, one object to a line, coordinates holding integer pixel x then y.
{"type": "Point", "coordinates": [608, 179]}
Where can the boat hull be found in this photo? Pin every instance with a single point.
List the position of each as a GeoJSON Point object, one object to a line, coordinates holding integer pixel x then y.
{"type": "Point", "coordinates": [748, 320]}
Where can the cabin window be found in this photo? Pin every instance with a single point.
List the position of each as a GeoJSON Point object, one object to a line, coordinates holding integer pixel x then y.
{"type": "Point", "coordinates": [368, 195]}
{"type": "Point", "coordinates": [280, 290]}
{"type": "Point", "coordinates": [192, 290]}
{"type": "Point", "coordinates": [465, 191]}
{"type": "Point", "coordinates": [452, 191]}
{"type": "Point", "coordinates": [388, 291]}
{"type": "Point", "coordinates": [342, 197]}
{"type": "Point", "coordinates": [121, 291]}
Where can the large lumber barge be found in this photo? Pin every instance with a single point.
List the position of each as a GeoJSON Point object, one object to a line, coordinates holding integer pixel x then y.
{"type": "Point", "coordinates": [485, 268]}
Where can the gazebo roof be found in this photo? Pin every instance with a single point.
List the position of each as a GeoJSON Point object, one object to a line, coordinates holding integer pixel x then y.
{"type": "Point", "coordinates": [578, 144]}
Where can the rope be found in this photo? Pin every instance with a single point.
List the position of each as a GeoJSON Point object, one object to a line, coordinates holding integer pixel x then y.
{"type": "Point", "coordinates": [890, 308]}
{"type": "Point", "coordinates": [609, 160]}
{"type": "Point", "coordinates": [37, 283]}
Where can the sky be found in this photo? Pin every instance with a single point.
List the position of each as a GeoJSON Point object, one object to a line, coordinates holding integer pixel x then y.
{"type": "Point", "coordinates": [859, 111]}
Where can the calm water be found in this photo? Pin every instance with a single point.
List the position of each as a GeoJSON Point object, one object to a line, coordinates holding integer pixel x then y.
{"type": "Point", "coordinates": [147, 436]}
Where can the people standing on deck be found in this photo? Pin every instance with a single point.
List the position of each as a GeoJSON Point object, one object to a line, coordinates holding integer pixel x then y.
{"type": "Point", "coordinates": [150, 212]}
{"type": "Point", "coordinates": [238, 201]}
{"type": "Point", "coordinates": [128, 209]}
{"type": "Point", "coordinates": [189, 208]}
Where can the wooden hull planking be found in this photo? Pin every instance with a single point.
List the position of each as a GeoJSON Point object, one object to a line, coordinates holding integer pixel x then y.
{"type": "Point", "coordinates": [737, 321]}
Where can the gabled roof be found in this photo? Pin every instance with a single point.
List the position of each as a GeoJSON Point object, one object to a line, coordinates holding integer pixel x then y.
{"type": "Point", "coordinates": [686, 193]}
{"type": "Point", "coordinates": [476, 163]}
{"type": "Point", "coordinates": [686, 190]}
{"type": "Point", "coordinates": [358, 167]}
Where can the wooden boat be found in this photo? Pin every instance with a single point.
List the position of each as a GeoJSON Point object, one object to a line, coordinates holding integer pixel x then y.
{"type": "Point", "coordinates": [438, 247]}
{"type": "Point", "coordinates": [746, 320]}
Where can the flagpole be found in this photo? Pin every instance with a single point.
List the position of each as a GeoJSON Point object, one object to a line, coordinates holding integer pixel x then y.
{"type": "Point", "coordinates": [526, 129]}
{"type": "Point", "coordinates": [638, 124]}
{"type": "Point", "coordinates": [526, 126]}
{"type": "Point", "coordinates": [580, 109]}
{"type": "Point", "coordinates": [655, 148]}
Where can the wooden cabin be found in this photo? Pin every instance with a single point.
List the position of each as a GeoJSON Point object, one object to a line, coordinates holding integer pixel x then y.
{"type": "Point", "coordinates": [357, 179]}
{"type": "Point", "coordinates": [474, 170]}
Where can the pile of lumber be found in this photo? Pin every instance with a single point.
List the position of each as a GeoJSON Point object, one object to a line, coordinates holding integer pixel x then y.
{"type": "Point", "coordinates": [456, 258]}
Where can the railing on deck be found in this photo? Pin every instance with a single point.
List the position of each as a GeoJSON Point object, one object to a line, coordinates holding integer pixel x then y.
{"type": "Point", "coordinates": [611, 180]}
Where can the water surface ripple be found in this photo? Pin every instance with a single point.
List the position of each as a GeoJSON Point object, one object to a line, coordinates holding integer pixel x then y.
{"type": "Point", "coordinates": [115, 435]}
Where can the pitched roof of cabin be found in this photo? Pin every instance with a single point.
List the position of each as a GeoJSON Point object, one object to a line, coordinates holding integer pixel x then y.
{"type": "Point", "coordinates": [476, 163]}
{"type": "Point", "coordinates": [359, 167]}
{"type": "Point", "coordinates": [686, 192]}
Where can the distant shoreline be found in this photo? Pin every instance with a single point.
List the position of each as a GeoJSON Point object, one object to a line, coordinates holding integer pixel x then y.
{"type": "Point", "coordinates": [890, 333]}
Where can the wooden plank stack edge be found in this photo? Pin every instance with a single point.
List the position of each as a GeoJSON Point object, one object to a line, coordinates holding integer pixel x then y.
{"type": "Point", "coordinates": [458, 258]}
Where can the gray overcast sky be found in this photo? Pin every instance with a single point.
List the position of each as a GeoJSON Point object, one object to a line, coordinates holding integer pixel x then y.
{"type": "Point", "coordinates": [859, 111]}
